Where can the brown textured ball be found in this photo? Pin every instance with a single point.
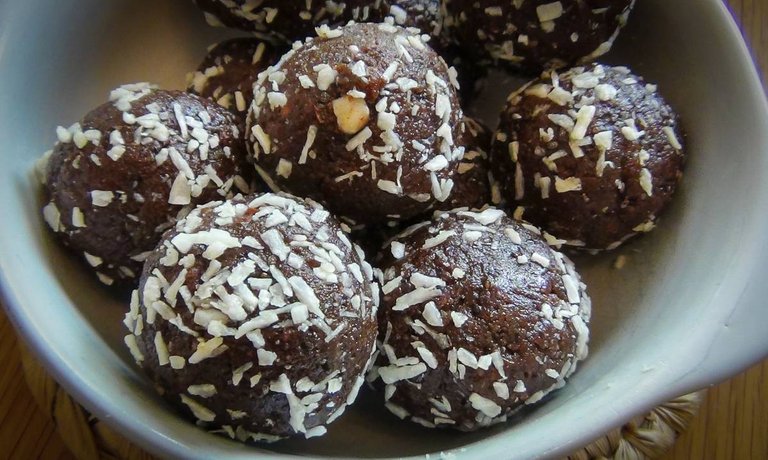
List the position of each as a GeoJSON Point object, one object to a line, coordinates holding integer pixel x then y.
{"type": "Point", "coordinates": [118, 178]}
{"type": "Point", "coordinates": [363, 118]}
{"type": "Point", "coordinates": [479, 317]}
{"type": "Point", "coordinates": [592, 155]}
{"type": "Point", "coordinates": [229, 70]}
{"type": "Point", "coordinates": [537, 34]}
{"type": "Point", "coordinates": [256, 317]}
{"type": "Point", "coordinates": [290, 20]}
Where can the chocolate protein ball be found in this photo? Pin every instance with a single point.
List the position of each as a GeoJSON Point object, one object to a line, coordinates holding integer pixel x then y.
{"type": "Point", "coordinates": [471, 183]}
{"type": "Point", "coordinates": [363, 119]}
{"type": "Point", "coordinates": [479, 317]}
{"type": "Point", "coordinates": [592, 155]}
{"type": "Point", "coordinates": [120, 177]}
{"type": "Point", "coordinates": [537, 34]}
{"type": "Point", "coordinates": [229, 70]}
{"type": "Point", "coordinates": [290, 20]}
{"type": "Point", "coordinates": [256, 317]}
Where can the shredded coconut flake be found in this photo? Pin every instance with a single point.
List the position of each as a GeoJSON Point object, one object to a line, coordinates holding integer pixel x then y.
{"type": "Point", "coordinates": [439, 239]}
{"type": "Point", "coordinates": [484, 405]}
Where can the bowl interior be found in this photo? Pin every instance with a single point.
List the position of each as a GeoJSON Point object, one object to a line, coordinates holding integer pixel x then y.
{"type": "Point", "coordinates": [653, 320]}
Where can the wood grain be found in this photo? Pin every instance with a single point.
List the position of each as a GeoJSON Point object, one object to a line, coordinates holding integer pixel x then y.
{"type": "Point", "coordinates": [732, 424]}
{"type": "Point", "coordinates": [752, 16]}
{"type": "Point", "coordinates": [25, 431]}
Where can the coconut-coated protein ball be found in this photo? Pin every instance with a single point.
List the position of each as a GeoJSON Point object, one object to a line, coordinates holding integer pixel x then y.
{"type": "Point", "coordinates": [364, 119]}
{"type": "Point", "coordinates": [537, 34]}
{"type": "Point", "coordinates": [256, 317]}
{"type": "Point", "coordinates": [290, 20]}
{"type": "Point", "coordinates": [593, 155]}
{"type": "Point", "coordinates": [122, 175]}
{"type": "Point", "coordinates": [479, 317]}
{"type": "Point", "coordinates": [229, 70]}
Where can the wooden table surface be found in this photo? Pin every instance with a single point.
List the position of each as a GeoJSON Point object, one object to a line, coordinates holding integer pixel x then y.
{"type": "Point", "coordinates": [732, 423]}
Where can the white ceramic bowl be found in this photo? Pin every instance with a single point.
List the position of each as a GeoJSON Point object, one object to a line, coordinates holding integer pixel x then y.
{"type": "Point", "coordinates": [686, 311]}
